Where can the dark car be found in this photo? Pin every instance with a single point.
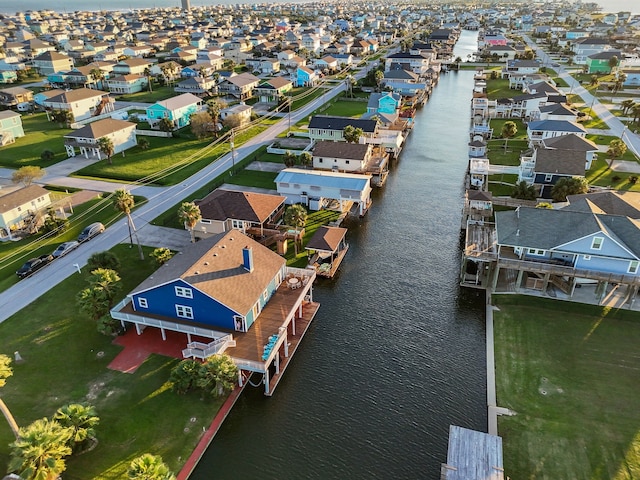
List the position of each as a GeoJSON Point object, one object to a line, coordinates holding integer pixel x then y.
{"type": "Point", "coordinates": [64, 248]}
{"type": "Point", "coordinates": [33, 265]}
{"type": "Point", "coordinates": [91, 231]}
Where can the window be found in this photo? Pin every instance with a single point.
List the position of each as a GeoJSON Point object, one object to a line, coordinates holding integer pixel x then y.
{"type": "Point", "coordinates": [347, 162]}
{"type": "Point", "coordinates": [535, 251]}
{"type": "Point", "coordinates": [633, 266]}
{"type": "Point", "coordinates": [548, 177]}
{"type": "Point", "coordinates": [184, 292]}
{"type": "Point", "coordinates": [183, 311]}
{"type": "Point", "coordinates": [142, 302]}
{"type": "Point", "coordinates": [586, 257]}
{"type": "Point", "coordinates": [265, 295]}
{"type": "Point", "coordinates": [320, 160]}
{"type": "Point", "coordinates": [238, 224]}
{"type": "Point", "coordinates": [596, 243]}
{"type": "Point", "coordinates": [205, 222]}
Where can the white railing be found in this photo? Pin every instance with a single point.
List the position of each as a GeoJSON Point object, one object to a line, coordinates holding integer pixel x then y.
{"type": "Point", "coordinates": [154, 322]}
{"type": "Point", "coordinates": [153, 133]}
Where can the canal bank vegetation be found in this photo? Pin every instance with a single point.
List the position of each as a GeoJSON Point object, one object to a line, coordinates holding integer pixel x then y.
{"type": "Point", "coordinates": [138, 411]}
{"type": "Point", "coordinates": [569, 371]}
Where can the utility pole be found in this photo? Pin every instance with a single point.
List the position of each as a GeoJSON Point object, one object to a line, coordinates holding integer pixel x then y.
{"type": "Point", "coordinates": [289, 102]}
{"type": "Point", "coordinates": [233, 153]}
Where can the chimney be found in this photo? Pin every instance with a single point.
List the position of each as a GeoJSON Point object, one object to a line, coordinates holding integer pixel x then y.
{"type": "Point", "coordinates": [247, 258]}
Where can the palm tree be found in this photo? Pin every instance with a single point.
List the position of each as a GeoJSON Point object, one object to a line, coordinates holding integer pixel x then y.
{"type": "Point", "coordinates": [213, 108]}
{"type": "Point", "coordinates": [147, 73]}
{"type": "Point", "coordinates": [289, 159]}
{"type": "Point", "coordinates": [105, 145]}
{"type": "Point", "coordinates": [38, 452]}
{"type": "Point", "coordinates": [143, 143]}
{"type": "Point", "coordinates": [616, 149]}
{"type": "Point", "coordinates": [106, 280]}
{"type": "Point", "coordinates": [189, 214]}
{"type": "Point", "coordinates": [306, 159]}
{"type": "Point", "coordinates": [149, 467]}
{"type": "Point", "coordinates": [96, 75]}
{"type": "Point", "coordinates": [219, 375]}
{"type": "Point", "coordinates": [524, 191]}
{"type": "Point", "coordinates": [124, 202]}
{"type": "Point", "coordinates": [296, 216]}
{"type": "Point", "coordinates": [509, 129]}
{"type": "Point", "coordinates": [627, 105]}
{"type": "Point", "coordinates": [352, 134]}
{"type": "Point", "coordinates": [82, 419]}
{"type": "Point", "coordinates": [5, 372]}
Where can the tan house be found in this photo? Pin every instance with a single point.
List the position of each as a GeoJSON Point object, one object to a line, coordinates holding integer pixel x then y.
{"type": "Point", "coordinates": [52, 62]}
{"type": "Point", "coordinates": [125, 84]}
{"type": "Point", "coordinates": [20, 207]}
{"type": "Point", "coordinates": [121, 133]}
{"type": "Point", "coordinates": [240, 86]}
{"type": "Point", "coordinates": [82, 103]}
{"type": "Point", "coordinates": [12, 96]}
{"type": "Point", "coordinates": [223, 210]}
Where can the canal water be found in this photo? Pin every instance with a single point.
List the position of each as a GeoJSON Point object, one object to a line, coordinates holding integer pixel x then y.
{"type": "Point", "coordinates": [397, 350]}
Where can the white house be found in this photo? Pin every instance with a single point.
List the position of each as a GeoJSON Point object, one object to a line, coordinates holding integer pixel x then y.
{"type": "Point", "coordinates": [82, 103]}
{"type": "Point", "coordinates": [17, 207]}
{"type": "Point", "coordinates": [121, 133]}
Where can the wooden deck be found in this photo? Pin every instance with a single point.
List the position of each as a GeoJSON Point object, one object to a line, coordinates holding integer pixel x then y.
{"type": "Point", "coordinates": [473, 455]}
{"type": "Point", "coordinates": [250, 345]}
{"type": "Point", "coordinates": [334, 265]}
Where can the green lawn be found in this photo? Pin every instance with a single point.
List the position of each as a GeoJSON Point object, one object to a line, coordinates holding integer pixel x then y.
{"type": "Point", "coordinates": [511, 156]}
{"type": "Point", "coordinates": [40, 135]}
{"type": "Point", "coordinates": [600, 175]}
{"type": "Point", "coordinates": [595, 122]}
{"type": "Point", "coordinates": [314, 221]}
{"type": "Point", "coordinates": [65, 360]}
{"type": "Point", "coordinates": [498, 123]}
{"type": "Point", "coordinates": [158, 94]}
{"type": "Point", "coordinates": [570, 371]}
{"type": "Point", "coordinates": [254, 178]}
{"type": "Point", "coordinates": [501, 185]}
{"type": "Point", "coordinates": [14, 254]}
{"type": "Point", "coordinates": [499, 88]}
{"type": "Point", "coordinates": [346, 108]}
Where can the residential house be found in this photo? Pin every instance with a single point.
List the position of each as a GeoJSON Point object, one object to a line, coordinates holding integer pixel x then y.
{"type": "Point", "coordinates": [138, 51]}
{"type": "Point", "coordinates": [213, 60]}
{"type": "Point", "coordinates": [273, 89]}
{"type": "Point", "coordinates": [20, 207]}
{"type": "Point", "coordinates": [305, 77]}
{"type": "Point", "coordinates": [82, 103]}
{"type": "Point", "coordinates": [543, 129]}
{"type": "Point", "coordinates": [131, 66]}
{"type": "Point", "coordinates": [224, 210]}
{"type": "Point", "coordinates": [351, 158]}
{"type": "Point", "coordinates": [632, 77]}
{"type": "Point", "coordinates": [177, 110]}
{"type": "Point", "coordinates": [126, 84]}
{"type": "Point", "coordinates": [326, 127]}
{"type": "Point", "coordinates": [506, 52]}
{"type": "Point", "coordinates": [601, 62]}
{"type": "Point", "coordinates": [233, 290]}
{"type": "Point", "coordinates": [236, 115]}
{"type": "Point", "coordinates": [319, 189]}
{"type": "Point", "coordinates": [575, 143]}
{"type": "Point", "coordinates": [40, 97]}
{"type": "Point", "coordinates": [519, 67]}
{"type": "Point", "coordinates": [327, 63]}
{"type": "Point", "coordinates": [556, 111]}
{"type": "Point", "coordinates": [588, 46]}
{"type": "Point", "coordinates": [8, 76]}
{"type": "Point", "coordinates": [12, 96]}
{"type": "Point", "coordinates": [51, 62]}
{"type": "Point", "coordinates": [240, 86]}
{"type": "Point", "coordinates": [545, 167]}
{"type": "Point", "coordinates": [387, 102]}
{"type": "Point", "coordinates": [121, 133]}
{"type": "Point", "coordinates": [10, 127]}
{"type": "Point", "coordinates": [263, 65]}
{"type": "Point", "coordinates": [610, 202]}
{"type": "Point", "coordinates": [560, 247]}
{"type": "Point", "coordinates": [200, 86]}
{"type": "Point", "coordinates": [417, 63]}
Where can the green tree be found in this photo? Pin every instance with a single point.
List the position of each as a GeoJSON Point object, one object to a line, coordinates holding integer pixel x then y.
{"type": "Point", "coordinates": [147, 73]}
{"type": "Point", "coordinates": [185, 376]}
{"type": "Point", "coordinates": [93, 302]}
{"type": "Point", "coordinates": [305, 159]}
{"type": "Point", "coordinates": [213, 109]}
{"type": "Point", "coordinates": [106, 280]}
{"type": "Point", "coordinates": [97, 76]}
{"type": "Point", "coordinates": [189, 214]}
{"type": "Point", "coordinates": [218, 375]}
{"type": "Point", "coordinates": [5, 372]}
{"type": "Point", "coordinates": [165, 125]}
{"type": "Point", "coordinates": [81, 419]}
{"type": "Point", "coordinates": [627, 105]}
{"type": "Point", "coordinates": [509, 130]}
{"type": "Point", "coordinates": [61, 117]}
{"type": "Point", "coordinates": [617, 148]}
{"type": "Point", "coordinates": [124, 202]}
{"type": "Point", "coordinates": [296, 216]}
{"type": "Point", "coordinates": [378, 76]}
{"type": "Point", "coordinates": [568, 186]}
{"type": "Point", "coordinates": [613, 63]}
{"type": "Point", "coordinates": [524, 191]}
{"type": "Point", "coordinates": [27, 174]}
{"type": "Point", "coordinates": [104, 259]}
{"type": "Point", "coordinates": [289, 159]}
{"type": "Point", "coordinates": [105, 145]}
{"type": "Point", "coordinates": [161, 255]}
{"type": "Point", "coordinates": [143, 143]}
{"type": "Point", "coordinates": [594, 81]}
{"type": "Point", "coordinates": [47, 155]}
{"type": "Point", "coordinates": [201, 125]}
{"type": "Point", "coordinates": [38, 452]}
{"type": "Point", "coordinates": [149, 467]}
{"type": "Point", "coordinates": [352, 134]}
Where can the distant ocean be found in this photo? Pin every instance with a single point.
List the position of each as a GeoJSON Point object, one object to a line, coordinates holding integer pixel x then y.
{"type": "Point", "coordinates": [11, 6]}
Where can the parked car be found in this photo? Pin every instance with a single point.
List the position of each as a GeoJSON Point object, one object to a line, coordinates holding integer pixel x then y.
{"type": "Point", "coordinates": [33, 265]}
{"type": "Point", "coordinates": [91, 231]}
{"type": "Point", "coordinates": [64, 248]}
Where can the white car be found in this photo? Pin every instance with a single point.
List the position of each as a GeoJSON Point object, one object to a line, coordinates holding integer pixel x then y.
{"type": "Point", "coordinates": [64, 248]}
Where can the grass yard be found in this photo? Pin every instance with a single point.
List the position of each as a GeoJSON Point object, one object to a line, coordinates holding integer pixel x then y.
{"type": "Point", "coordinates": [14, 254]}
{"type": "Point", "coordinates": [254, 178]}
{"type": "Point", "coordinates": [40, 135]}
{"type": "Point", "coordinates": [595, 122]}
{"type": "Point", "coordinates": [570, 371]}
{"type": "Point", "coordinates": [501, 185]}
{"type": "Point", "coordinates": [498, 123]}
{"type": "Point", "coordinates": [158, 94]}
{"type": "Point", "coordinates": [65, 360]}
{"type": "Point", "coordinates": [511, 156]}
{"type": "Point", "coordinates": [346, 108]}
{"type": "Point", "coordinates": [314, 221]}
{"type": "Point", "coordinates": [600, 175]}
{"type": "Point", "coordinates": [499, 88]}
{"type": "Point", "coordinates": [306, 98]}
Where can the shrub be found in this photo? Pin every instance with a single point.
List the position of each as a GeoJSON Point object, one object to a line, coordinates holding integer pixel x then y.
{"type": "Point", "coordinates": [47, 155]}
{"type": "Point", "coordinates": [633, 179]}
{"type": "Point", "coordinates": [103, 260]}
{"type": "Point", "coordinates": [161, 255]}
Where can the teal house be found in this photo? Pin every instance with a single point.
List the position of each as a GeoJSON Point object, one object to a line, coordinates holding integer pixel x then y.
{"type": "Point", "coordinates": [387, 102]}
{"type": "Point", "coordinates": [305, 77]}
{"type": "Point", "coordinates": [177, 109]}
{"type": "Point", "coordinates": [8, 76]}
{"type": "Point", "coordinates": [10, 127]}
{"type": "Point", "coordinates": [599, 62]}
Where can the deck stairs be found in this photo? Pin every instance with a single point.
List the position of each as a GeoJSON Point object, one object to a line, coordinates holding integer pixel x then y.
{"type": "Point", "coordinates": [206, 350]}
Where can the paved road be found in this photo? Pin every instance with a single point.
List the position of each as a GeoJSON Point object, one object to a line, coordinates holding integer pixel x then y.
{"type": "Point", "coordinates": [618, 129]}
{"type": "Point", "coordinates": [159, 200]}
